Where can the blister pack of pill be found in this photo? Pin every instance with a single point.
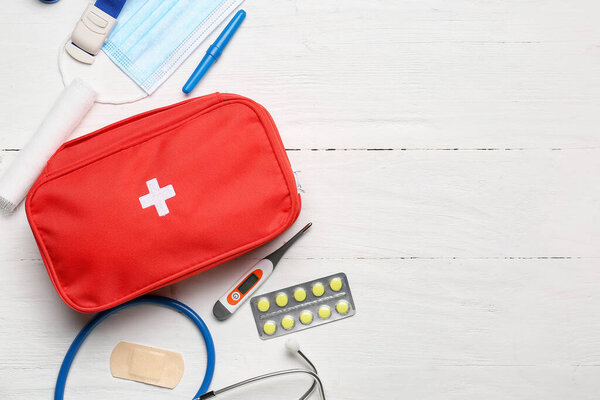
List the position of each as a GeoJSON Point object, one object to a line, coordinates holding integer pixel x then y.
{"type": "Point", "coordinates": [302, 306]}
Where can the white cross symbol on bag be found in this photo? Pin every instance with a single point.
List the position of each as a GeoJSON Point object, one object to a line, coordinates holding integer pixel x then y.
{"type": "Point", "coordinates": [157, 197]}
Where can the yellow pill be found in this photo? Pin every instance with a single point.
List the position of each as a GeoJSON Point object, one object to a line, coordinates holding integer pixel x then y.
{"type": "Point", "coordinates": [281, 299]}
{"type": "Point", "coordinates": [335, 284]}
{"type": "Point", "coordinates": [324, 312]}
{"type": "Point", "coordinates": [263, 304]}
{"type": "Point", "coordinates": [318, 289]}
{"type": "Point", "coordinates": [342, 307]}
{"type": "Point", "coordinates": [300, 294]}
{"type": "Point", "coordinates": [269, 327]}
{"type": "Point", "coordinates": [306, 317]}
{"type": "Point", "coordinates": [287, 322]}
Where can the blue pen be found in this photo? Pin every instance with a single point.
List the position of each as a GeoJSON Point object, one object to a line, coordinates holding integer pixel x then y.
{"type": "Point", "coordinates": [214, 51]}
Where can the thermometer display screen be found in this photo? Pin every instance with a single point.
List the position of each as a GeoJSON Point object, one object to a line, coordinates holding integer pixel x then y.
{"type": "Point", "coordinates": [248, 283]}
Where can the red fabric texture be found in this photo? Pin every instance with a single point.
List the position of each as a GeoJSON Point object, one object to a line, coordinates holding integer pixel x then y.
{"type": "Point", "coordinates": [234, 191]}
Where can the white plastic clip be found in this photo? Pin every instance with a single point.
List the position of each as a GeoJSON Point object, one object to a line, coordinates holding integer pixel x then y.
{"type": "Point", "coordinates": [89, 34]}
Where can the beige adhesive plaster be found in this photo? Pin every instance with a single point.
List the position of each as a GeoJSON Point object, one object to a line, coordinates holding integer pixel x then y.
{"type": "Point", "coordinates": [146, 364]}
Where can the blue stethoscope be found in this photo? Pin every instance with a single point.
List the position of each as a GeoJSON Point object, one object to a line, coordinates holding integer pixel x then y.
{"type": "Point", "coordinates": [203, 392]}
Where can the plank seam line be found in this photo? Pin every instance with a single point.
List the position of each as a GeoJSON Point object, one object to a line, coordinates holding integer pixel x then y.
{"type": "Point", "coordinates": [442, 149]}
{"type": "Point", "coordinates": [451, 258]}
{"type": "Point", "coordinates": [402, 258]}
{"type": "Point", "coordinates": [418, 149]}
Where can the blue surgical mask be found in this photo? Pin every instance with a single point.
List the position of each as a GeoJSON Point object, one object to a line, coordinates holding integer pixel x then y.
{"type": "Point", "coordinates": [153, 37]}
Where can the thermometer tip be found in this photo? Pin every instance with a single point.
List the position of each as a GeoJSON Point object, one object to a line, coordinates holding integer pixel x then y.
{"type": "Point", "coordinates": [306, 227]}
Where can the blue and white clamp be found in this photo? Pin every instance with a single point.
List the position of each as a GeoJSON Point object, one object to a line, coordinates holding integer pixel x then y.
{"type": "Point", "coordinates": [92, 29]}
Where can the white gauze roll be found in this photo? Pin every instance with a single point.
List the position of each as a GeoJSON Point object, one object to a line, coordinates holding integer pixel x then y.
{"type": "Point", "coordinates": [70, 108]}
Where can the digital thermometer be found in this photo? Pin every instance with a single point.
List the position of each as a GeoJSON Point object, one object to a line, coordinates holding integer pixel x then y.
{"type": "Point", "coordinates": [251, 280]}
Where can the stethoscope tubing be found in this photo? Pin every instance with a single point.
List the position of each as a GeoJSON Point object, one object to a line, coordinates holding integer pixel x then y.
{"type": "Point", "coordinates": [267, 376]}
{"type": "Point", "coordinates": [61, 380]}
{"type": "Point", "coordinates": [314, 374]}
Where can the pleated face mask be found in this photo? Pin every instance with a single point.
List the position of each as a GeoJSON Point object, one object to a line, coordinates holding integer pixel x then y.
{"type": "Point", "coordinates": [153, 37]}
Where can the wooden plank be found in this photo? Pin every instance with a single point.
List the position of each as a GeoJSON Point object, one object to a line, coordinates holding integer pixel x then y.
{"type": "Point", "coordinates": [402, 204]}
{"type": "Point", "coordinates": [464, 328]}
{"type": "Point", "coordinates": [411, 74]}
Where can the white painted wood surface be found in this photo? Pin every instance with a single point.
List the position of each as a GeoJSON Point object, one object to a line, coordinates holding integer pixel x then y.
{"type": "Point", "coordinates": [449, 154]}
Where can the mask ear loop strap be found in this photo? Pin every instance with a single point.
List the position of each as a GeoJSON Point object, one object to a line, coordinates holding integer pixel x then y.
{"type": "Point", "coordinates": [59, 390]}
{"type": "Point", "coordinates": [99, 99]}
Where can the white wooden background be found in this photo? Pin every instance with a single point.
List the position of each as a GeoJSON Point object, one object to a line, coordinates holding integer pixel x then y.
{"type": "Point", "coordinates": [449, 153]}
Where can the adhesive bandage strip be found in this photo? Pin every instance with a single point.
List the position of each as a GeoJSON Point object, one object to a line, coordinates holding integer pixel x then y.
{"type": "Point", "coordinates": [146, 364]}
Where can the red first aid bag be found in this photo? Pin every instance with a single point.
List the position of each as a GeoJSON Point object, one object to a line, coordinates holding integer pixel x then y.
{"type": "Point", "coordinates": [160, 196]}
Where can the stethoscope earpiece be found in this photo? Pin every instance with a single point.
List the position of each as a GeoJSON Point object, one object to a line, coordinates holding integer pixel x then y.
{"type": "Point", "coordinates": [292, 345]}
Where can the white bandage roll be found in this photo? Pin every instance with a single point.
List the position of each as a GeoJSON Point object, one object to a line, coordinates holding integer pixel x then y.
{"type": "Point", "coordinates": [70, 108]}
